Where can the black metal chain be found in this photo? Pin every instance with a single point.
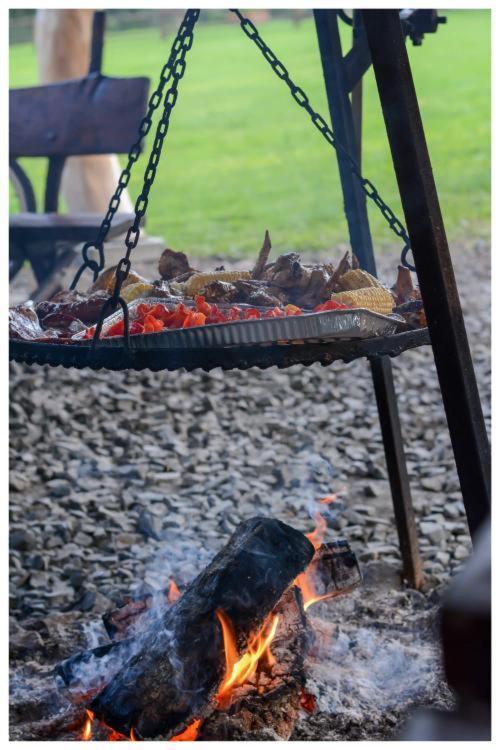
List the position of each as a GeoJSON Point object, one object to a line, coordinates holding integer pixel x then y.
{"type": "Point", "coordinates": [154, 102]}
{"type": "Point", "coordinates": [183, 43]}
{"type": "Point", "coordinates": [320, 123]}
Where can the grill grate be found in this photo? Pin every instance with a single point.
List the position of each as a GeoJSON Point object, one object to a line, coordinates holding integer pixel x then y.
{"type": "Point", "coordinates": [228, 358]}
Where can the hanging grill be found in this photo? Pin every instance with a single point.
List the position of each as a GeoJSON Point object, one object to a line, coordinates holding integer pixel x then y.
{"type": "Point", "coordinates": [131, 354]}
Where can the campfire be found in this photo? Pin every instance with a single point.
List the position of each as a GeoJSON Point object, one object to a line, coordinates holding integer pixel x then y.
{"type": "Point", "coordinates": [224, 656]}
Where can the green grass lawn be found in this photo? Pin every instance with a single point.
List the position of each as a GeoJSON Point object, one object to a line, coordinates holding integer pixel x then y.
{"type": "Point", "coordinates": [241, 156]}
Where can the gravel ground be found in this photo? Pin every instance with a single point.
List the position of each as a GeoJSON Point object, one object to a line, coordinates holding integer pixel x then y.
{"type": "Point", "coordinates": [119, 480]}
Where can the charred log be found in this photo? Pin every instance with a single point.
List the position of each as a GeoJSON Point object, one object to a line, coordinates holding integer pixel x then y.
{"type": "Point", "coordinates": [86, 673]}
{"type": "Point", "coordinates": [180, 660]}
{"type": "Point", "coordinates": [334, 569]}
{"type": "Point", "coordinates": [121, 621]}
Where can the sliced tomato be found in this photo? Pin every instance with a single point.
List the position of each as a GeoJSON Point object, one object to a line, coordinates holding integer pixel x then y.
{"type": "Point", "coordinates": [118, 329]}
{"type": "Point", "coordinates": [136, 327]}
{"type": "Point", "coordinates": [251, 314]}
{"type": "Point", "coordinates": [274, 313]}
{"type": "Point", "coordinates": [330, 305]}
{"type": "Point", "coordinates": [234, 313]}
{"type": "Point", "coordinates": [160, 311]}
{"type": "Point", "coordinates": [194, 319]}
{"type": "Point", "coordinates": [142, 310]}
{"type": "Point", "coordinates": [202, 305]}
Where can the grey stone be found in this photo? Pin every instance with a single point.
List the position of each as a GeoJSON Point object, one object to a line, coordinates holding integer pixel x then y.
{"type": "Point", "coordinates": [22, 539]}
{"type": "Point", "coordinates": [149, 525]}
{"type": "Point", "coordinates": [434, 484]}
{"type": "Point", "coordinates": [461, 552]}
{"type": "Point", "coordinates": [434, 531]}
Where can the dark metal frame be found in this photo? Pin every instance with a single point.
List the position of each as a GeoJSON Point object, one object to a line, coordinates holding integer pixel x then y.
{"type": "Point", "coordinates": [378, 36]}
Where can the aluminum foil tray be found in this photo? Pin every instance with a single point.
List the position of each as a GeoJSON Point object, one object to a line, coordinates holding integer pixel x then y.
{"type": "Point", "coordinates": [311, 327]}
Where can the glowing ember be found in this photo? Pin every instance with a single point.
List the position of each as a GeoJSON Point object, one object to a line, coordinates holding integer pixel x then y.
{"type": "Point", "coordinates": [189, 734]}
{"type": "Point", "coordinates": [173, 592]}
{"type": "Point", "coordinates": [114, 736]}
{"type": "Point", "coordinates": [240, 669]}
{"type": "Point", "coordinates": [87, 727]}
{"type": "Point", "coordinates": [308, 702]}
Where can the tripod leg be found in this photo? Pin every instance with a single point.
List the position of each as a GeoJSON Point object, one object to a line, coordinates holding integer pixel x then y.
{"type": "Point", "coordinates": [390, 425]}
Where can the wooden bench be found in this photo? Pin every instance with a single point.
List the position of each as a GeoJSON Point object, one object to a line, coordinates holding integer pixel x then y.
{"type": "Point", "coordinates": [86, 116]}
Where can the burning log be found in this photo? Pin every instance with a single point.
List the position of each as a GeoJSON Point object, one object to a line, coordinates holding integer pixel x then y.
{"type": "Point", "coordinates": [267, 705]}
{"type": "Point", "coordinates": [179, 663]}
{"type": "Point", "coordinates": [87, 672]}
{"type": "Point", "coordinates": [333, 569]}
{"type": "Point", "coordinates": [260, 695]}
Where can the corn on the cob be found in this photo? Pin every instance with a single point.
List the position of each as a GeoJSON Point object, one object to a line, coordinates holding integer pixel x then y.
{"type": "Point", "coordinates": [133, 291]}
{"type": "Point", "coordinates": [378, 300]}
{"type": "Point", "coordinates": [358, 279]}
{"type": "Point", "coordinates": [199, 280]}
{"type": "Point", "coordinates": [107, 280]}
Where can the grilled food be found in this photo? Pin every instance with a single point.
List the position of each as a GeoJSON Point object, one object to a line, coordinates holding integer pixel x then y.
{"type": "Point", "coordinates": [357, 279]}
{"type": "Point", "coordinates": [376, 299]}
{"type": "Point", "coordinates": [198, 281]}
{"type": "Point", "coordinates": [106, 280]}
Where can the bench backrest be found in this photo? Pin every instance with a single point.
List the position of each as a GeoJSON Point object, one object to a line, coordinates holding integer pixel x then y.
{"type": "Point", "coordinates": [91, 115]}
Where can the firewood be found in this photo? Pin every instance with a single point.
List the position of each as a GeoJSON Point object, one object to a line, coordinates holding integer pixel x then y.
{"type": "Point", "coordinates": [334, 569]}
{"type": "Point", "coordinates": [121, 621]}
{"type": "Point", "coordinates": [180, 660]}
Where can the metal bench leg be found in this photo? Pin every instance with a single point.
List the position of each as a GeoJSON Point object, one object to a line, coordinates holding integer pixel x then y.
{"type": "Point", "coordinates": [48, 267]}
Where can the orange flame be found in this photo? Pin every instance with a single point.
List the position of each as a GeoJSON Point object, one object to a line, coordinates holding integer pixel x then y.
{"type": "Point", "coordinates": [189, 734]}
{"type": "Point", "coordinates": [332, 498]}
{"type": "Point", "coordinates": [173, 592]}
{"type": "Point", "coordinates": [87, 727]}
{"type": "Point", "coordinates": [317, 536]}
{"type": "Point", "coordinates": [305, 580]}
{"type": "Point", "coordinates": [240, 669]}
{"type": "Point", "coordinates": [113, 735]}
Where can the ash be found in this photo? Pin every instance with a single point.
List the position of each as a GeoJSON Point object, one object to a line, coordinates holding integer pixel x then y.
{"type": "Point", "coordinates": [376, 659]}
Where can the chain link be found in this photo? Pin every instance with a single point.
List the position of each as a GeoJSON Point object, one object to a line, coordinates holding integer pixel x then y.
{"type": "Point", "coordinates": [182, 45]}
{"type": "Point", "coordinates": [326, 131]}
{"type": "Point", "coordinates": [184, 36]}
